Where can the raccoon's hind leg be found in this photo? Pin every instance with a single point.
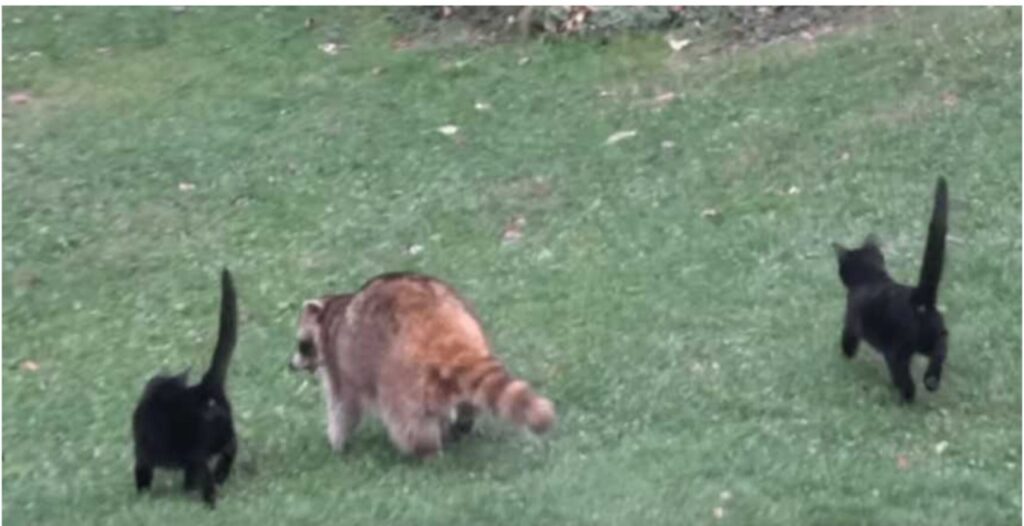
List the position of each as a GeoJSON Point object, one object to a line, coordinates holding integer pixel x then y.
{"type": "Point", "coordinates": [462, 424]}
{"type": "Point", "coordinates": [343, 414]}
{"type": "Point", "coordinates": [414, 429]}
{"type": "Point", "coordinates": [417, 436]}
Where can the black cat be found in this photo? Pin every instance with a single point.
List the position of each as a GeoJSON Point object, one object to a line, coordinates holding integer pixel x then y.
{"type": "Point", "coordinates": [181, 427]}
{"type": "Point", "coordinates": [897, 320]}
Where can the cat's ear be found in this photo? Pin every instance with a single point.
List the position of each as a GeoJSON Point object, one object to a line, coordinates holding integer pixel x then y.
{"type": "Point", "coordinates": [872, 239]}
{"type": "Point", "coordinates": [840, 250]}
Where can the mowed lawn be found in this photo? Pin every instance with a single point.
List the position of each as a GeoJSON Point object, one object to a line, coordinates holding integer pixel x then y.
{"type": "Point", "coordinates": [673, 292]}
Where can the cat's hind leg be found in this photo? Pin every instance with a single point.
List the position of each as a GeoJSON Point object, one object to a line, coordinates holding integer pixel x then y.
{"type": "Point", "coordinates": [222, 468]}
{"type": "Point", "coordinates": [899, 369]}
{"type": "Point", "coordinates": [143, 476]}
{"type": "Point", "coordinates": [933, 374]}
{"type": "Point", "coordinates": [850, 341]}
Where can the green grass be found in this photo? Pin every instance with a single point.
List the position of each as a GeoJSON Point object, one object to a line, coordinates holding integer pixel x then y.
{"type": "Point", "coordinates": [687, 356]}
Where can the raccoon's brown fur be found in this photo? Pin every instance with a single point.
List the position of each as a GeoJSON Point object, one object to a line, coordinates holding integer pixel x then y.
{"type": "Point", "coordinates": [408, 347]}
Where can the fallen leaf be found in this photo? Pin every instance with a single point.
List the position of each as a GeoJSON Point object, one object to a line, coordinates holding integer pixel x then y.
{"type": "Point", "coordinates": [331, 48]}
{"type": "Point", "coordinates": [377, 71]}
{"type": "Point", "coordinates": [30, 366]}
{"type": "Point", "coordinates": [186, 187]}
{"type": "Point", "coordinates": [103, 50]}
{"type": "Point", "coordinates": [401, 43]}
{"type": "Point", "coordinates": [677, 45]}
{"type": "Point", "coordinates": [709, 212]}
{"type": "Point", "coordinates": [665, 97]}
{"type": "Point", "coordinates": [941, 446]}
{"type": "Point", "coordinates": [621, 135]}
{"type": "Point", "coordinates": [513, 229]}
{"type": "Point", "coordinates": [950, 99]}
{"type": "Point", "coordinates": [725, 495]}
{"type": "Point", "coordinates": [482, 106]}
{"type": "Point", "coordinates": [448, 129]}
{"type": "Point", "coordinates": [845, 156]}
{"type": "Point", "coordinates": [19, 97]}
{"type": "Point", "coordinates": [524, 61]}
{"type": "Point", "coordinates": [902, 462]}
{"type": "Point", "coordinates": [668, 145]}
{"type": "Point", "coordinates": [415, 249]}
{"type": "Point", "coordinates": [793, 190]}
{"type": "Point", "coordinates": [718, 512]}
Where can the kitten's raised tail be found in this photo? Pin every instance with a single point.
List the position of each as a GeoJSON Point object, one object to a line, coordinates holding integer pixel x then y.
{"type": "Point", "coordinates": [490, 387]}
{"type": "Point", "coordinates": [215, 375]}
{"type": "Point", "coordinates": [934, 251]}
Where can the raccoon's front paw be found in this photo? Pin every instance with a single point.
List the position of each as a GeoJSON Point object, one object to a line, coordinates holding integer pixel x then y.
{"type": "Point", "coordinates": [336, 438]}
{"type": "Point", "coordinates": [931, 382]}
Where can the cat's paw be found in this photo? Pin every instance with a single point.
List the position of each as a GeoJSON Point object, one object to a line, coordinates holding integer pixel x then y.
{"type": "Point", "coordinates": [931, 383]}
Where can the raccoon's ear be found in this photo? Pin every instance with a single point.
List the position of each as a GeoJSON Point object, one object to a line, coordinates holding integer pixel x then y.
{"type": "Point", "coordinates": [872, 239]}
{"type": "Point", "coordinates": [312, 307]}
{"type": "Point", "coordinates": [840, 250]}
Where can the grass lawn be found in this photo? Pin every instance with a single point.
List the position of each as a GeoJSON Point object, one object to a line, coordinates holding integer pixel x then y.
{"type": "Point", "coordinates": [679, 302]}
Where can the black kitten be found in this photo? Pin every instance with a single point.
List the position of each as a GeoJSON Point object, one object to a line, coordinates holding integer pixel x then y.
{"type": "Point", "coordinates": [181, 427]}
{"type": "Point", "coordinates": [897, 320]}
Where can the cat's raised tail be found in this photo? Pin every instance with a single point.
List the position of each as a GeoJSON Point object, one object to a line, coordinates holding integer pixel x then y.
{"type": "Point", "coordinates": [226, 336]}
{"type": "Point", "coordinates": [927, 289]}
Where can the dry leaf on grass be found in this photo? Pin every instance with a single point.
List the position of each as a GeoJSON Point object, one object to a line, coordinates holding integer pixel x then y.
{"type": "Point", "coordinates": [619, 136]}
{"type": "Point", "coordinates": [677, 45]}
{"type": "Point", "coordinates": [332, 48]}
{"type": "Point", "coordinates": [19, 97]}
{"type": "Point", "coordinates": [513, 230]}
{"type": "Point", "coordinates": [666, 97]}
{"type": "Point", "coordinates": [950, 99]}
{"type": "Point", "coordinates": [30, 366]}
{"type": "Point", "coordinates": [718, 512]}
{"type": "Point", "coordinates": [668, 145]}
{"type": "Point", "coordinates": [186, 187]}
{"type": "Point", "coordinates": [902, 462]}
{"type": "Point", "coordinates": [941, 447]}
{"type": "Point", "coordinates": [448, 129]}
{"type": "Point", "coordinates": [415, 249]}
{"type": "Point", "coordinates": [482, 106]}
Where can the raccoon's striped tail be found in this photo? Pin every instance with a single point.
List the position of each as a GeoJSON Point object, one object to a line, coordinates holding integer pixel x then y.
{"type": "Point", "coordinates": [490, 387]}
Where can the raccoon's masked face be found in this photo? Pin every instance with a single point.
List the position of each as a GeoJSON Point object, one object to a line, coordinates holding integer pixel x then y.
{"type": "Point", "coordinates": [307, 355]}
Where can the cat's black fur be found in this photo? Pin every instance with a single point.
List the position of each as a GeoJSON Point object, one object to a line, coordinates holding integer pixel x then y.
{"type": "Point", "coordinates": [177, 426]}
{"type": "Point", "coordinates": [897, 320]}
